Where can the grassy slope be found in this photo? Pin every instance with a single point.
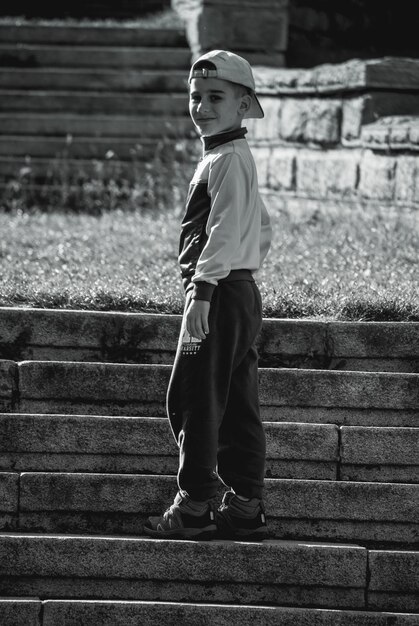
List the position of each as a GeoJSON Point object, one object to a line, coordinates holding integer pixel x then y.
{"type": "Point", "coordinates": [345, 263]}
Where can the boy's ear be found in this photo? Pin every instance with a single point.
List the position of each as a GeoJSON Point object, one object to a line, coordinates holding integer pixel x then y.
{"type": "Point", "coordinates": [245, 103]}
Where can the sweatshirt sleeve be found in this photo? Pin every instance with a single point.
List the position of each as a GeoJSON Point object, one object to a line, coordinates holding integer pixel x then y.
{"type": "Point", "coordinates": [228, 189]}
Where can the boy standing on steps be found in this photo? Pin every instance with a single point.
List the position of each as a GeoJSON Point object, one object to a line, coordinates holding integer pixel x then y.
{"type": "Point", "coordinates": [212, 399]}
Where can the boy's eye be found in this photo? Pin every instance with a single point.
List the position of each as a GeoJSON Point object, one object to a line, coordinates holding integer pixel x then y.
{"type": "Point", "coordinates": [215, 98]}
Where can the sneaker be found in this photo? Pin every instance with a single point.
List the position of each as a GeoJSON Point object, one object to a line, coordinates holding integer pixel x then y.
{"type": "Point", "coordinates": [240, 519]}
{"type": "Point", "coordinates": [184, 519]}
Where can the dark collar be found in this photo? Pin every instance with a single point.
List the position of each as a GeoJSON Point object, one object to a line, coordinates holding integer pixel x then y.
{"type": "Point", "coordinates": [218, 140]}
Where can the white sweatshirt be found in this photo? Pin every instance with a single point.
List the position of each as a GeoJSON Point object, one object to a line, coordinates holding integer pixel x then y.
{"type": "Point", "coordinates": [226, 225]}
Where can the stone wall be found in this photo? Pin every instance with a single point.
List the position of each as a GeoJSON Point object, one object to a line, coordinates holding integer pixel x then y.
{"type": "Point", "coordinates": [255, 29]}
{"type": "Point", "coordinates": [340, 132]}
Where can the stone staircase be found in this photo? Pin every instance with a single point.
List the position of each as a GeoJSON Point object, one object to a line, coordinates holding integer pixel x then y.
{"type": "Point", "coordinates": [86, 93]}
{"type": "Point", "coordinates": [86, 455]}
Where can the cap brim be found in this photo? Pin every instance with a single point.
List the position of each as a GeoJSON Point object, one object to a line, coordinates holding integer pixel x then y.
{"type": "Point", "coordinates": [255, 110]}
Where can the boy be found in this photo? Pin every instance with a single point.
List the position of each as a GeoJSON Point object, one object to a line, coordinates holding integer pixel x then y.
{"type": "Point", "coordinates": [212, 399]}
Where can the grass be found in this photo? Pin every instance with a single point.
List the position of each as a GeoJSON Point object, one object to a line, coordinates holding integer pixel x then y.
{"type": "Point", "coordinates": [342, 263]}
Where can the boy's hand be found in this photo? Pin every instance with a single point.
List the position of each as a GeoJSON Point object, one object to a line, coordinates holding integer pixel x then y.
{"type": "Point", "coordinates": [197, 318]}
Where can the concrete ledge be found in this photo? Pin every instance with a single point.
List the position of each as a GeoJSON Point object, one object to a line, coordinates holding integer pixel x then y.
{"type": "Point", "coordinates": [394, 583]}
{"type": "Point", "coordinates": [382, 454]}
{"type": "Point", "coordinates": [95, 444]}
{"type": "Point", "coordinates": [91, 613]}
{"type": "Point", "coordinates": [270, 572]}
{"type": "Point", "coordinates": [308, 509]}
{"type": "Point", "coordinates": [41, 334]}
{"type": "Point", "coordinates": [87, 335]}
{"type": "Point", "coordinates": [19, 611]}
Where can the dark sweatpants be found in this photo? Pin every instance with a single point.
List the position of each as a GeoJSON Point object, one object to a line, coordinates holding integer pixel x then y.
{"type": "Point", "coordinates": [213, 399]}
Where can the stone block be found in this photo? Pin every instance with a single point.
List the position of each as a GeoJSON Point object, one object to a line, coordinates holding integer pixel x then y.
{"type": "Point", "coordinates": [132, 613]}
{"type": "Point", "coordinates": [383, 454]}
{"type": "Point", "coordinates": [394, 340]}
{"type": "Point", "coordinates": [59, 387]}
{"type": "Point", "coordinates": [282, 169]}
{"type": "Point", "coordinates": [310, 442]}
{"type": "Point", "coordinates": [310, 121]}
{"type": "Point", "coordinates": [377, 176]}
{"type": "Point", "coordinates": [271, 572]}
{"type": "Point", "coordinates": [407, 179]}
{"type": "Point", "coordinates": [343, 511]}
{"type": "Point", "coordinates": [394, 582]}
{"type": "Point", "coordinates": [364, 346]}
{"type": "Point", "coordinates": [9, 486]}
{"type": "Point", "coordinates": [84, 434]}
{"type": "Point", "coordinates": [335, 389]}
{"type": "Point", "coordinates": [355, 113]}
{"type": "Point", "coordinates": [9, 500]}
{"type": "Point", "coordinates": [369, 107]}
{"type": "Point", "coordinates": [247, 27]}
{"type": "Point", "coordinates": [8, 385]}
{"type": "Point", "coordinates": [327, 174]}
{"type": "Point", "coordinates": [267, 128]}
{"type": "Point", "coordinates": [20, 611]}
{"type": "Point", "coordinates": [262, 156]}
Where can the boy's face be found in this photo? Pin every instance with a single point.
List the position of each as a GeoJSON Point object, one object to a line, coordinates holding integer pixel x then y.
{"type": "Point", "coordinates": [216, 105]}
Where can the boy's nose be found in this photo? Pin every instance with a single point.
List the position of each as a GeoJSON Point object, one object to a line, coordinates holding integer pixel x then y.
{"type": "Point", "coordinates": [202, 106]}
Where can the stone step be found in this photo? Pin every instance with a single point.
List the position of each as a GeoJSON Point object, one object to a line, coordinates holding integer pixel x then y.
{"type": "Point", "coordinates": [78, 147]}
{"type": "Point", "coordinates": [84, 443]}
{"type": "Point", "coordinates": [97, 35]}
{"type": "Point", "coordinates": [122, 613]}
{"type": "Point", "coordinates": [132, 568]}
{"type": "Point", "coordinates": [374, 514]}
{"type": "Point", "coordinates": [91, 443]}
{"type": "Point", "coordinates": [40, 170]}
{"type": "Point", "coordinates": [140, 148]}
{"type": "Point", "coordinates": [82, 79]}
{"type": "Point", "coordinates": [286, 395]}
{"type": "Point", "coordinates": [123, 57]}
{"type": "Point", "coordinates": [42, 334]}
{"type": "Point", "coordinates": [85, 125]}
{"type": "Point", "coordinates": [92, 102]}
{"type": "Point", "coordinates": [269, 573]}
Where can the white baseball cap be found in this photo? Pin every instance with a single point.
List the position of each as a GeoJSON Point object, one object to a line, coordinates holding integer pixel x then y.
{"type": "Point", "coordinates": [232, 67]}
